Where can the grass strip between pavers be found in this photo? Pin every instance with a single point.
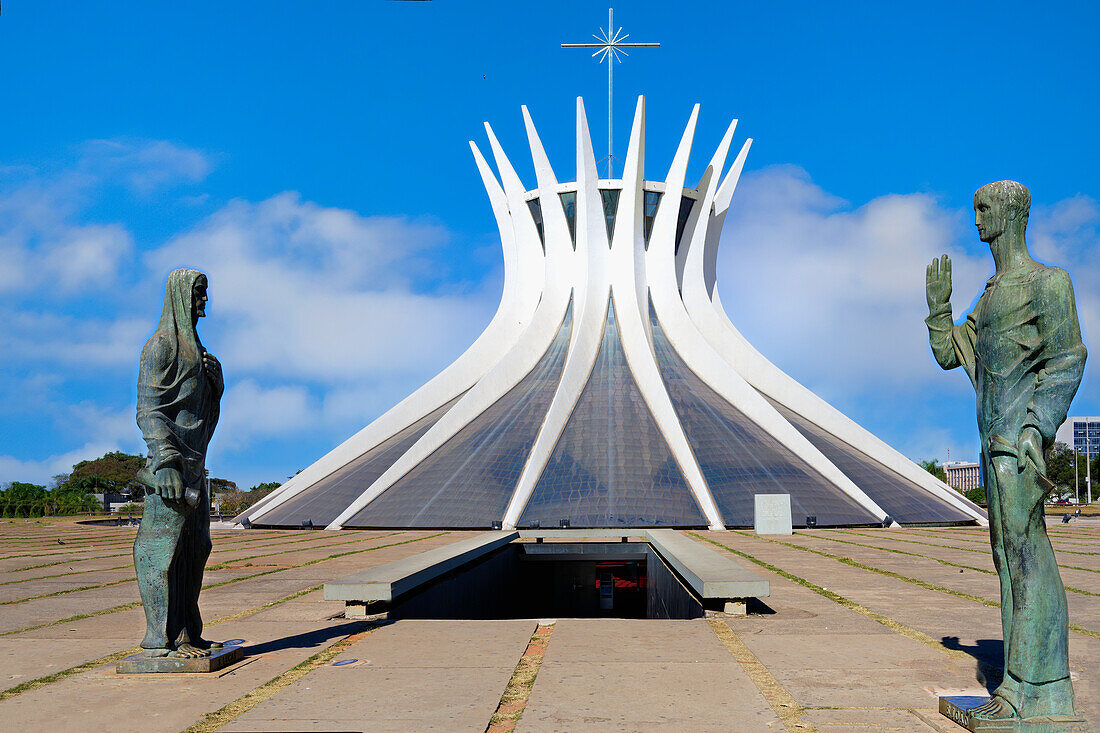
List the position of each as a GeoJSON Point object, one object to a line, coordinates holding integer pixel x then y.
{"type": "Point", "coordinates": [514, 700]}
{"type": "Point", "coordinates": [781, 701]}
{"type": "Point", "coordinates": [65, 673]}
{"type": "Point", "coordinates": [898, 576]}
{"type": "Point", "coordinates": [985, 541]}
{"type": "Point", "coordinates": [213, 567]}
{"type": "Point", "coordinates": [111, 658]}
{"type": "Point", "coordinates": [980, 551]}
{"type": "Point", "coordinates": [64, 575]}
{"type": "Point", "coordinates": [228, 713]}
{"type": "Point", "coordinates": [948, 563]}
{"type": "Point", "coordinates": [851, 605]}
{"type": "Point", "coordinates": [223, 545]}
{"type": "Point", "coordinates": [135, 604]}
{"type": "Point", "coordinates": [116, 656]}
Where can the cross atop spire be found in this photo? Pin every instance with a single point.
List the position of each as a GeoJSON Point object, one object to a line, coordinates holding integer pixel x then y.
{"type": "Point", "coordinates": [610, 46]}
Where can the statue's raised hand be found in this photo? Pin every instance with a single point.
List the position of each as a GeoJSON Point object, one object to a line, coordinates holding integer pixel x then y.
{"type": "Point", "coordinates": [937, 282]}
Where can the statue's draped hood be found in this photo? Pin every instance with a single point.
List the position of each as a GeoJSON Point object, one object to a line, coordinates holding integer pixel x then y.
{"type": "Point", "coordinates": [177, 405]}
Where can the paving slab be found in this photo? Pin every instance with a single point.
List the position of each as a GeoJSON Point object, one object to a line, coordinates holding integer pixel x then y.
{"type": "Point", "coordinates": [601, 674]}
{"type": "Point", "coordinates": [410, 675]}
{"type": "Point", "coordinates": [101, 699]}
{"type": "Point", "coordinates": [642, 674]}
{"type": "Point", "coordinates": [876, 721]}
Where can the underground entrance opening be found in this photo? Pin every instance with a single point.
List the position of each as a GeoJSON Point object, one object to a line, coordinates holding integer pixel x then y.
{"type": "Point", "coordinates": [555, 579]}
{"type": "Point", "coordinates": [554, 573]}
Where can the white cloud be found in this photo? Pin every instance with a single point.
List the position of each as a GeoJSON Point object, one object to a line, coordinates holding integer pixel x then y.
{"type": "Point", "coordinates": [40, 472]}
{"type": "Point", "coordinates": [250, 412]}
{"type": "Point", "coordinates": [46, 250]}
{"type": "Point", "coordinates": [1067, 234]}
{"type": "Point", "coordinates": [144, 165]}
{"type": "Point", "coordinates": [836, 296]}
{"type": "Point", "coordinates": [302, 291]}
{"type": "Point", "coordinates": [59, 340]}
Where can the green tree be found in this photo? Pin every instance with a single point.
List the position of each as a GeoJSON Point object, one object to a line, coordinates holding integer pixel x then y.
{"type": "Point", "coordinates": [235, 502]}
{"type": "Point", "coordinates": [934, 468]}
{"type": "Point", "coordinates": [976, 495]}
{"type": "Point", "coordinates": [113, 471]}
{"type": "Point", "coordinates": [219, 486]}
{"type": "Point", "coordinates": [24, 500]}
{"type": "Point", "coordinates": [1059, 458]}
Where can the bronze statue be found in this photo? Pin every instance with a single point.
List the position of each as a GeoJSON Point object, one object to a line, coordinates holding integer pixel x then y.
{"type": "Point", "coordinates": [179, 391]}
{"type": "Point", "coordinates": [1021, 347]}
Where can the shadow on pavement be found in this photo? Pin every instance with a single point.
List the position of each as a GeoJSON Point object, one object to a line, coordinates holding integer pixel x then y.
{"type": "Point", "coordinates": [990, 655]}
{"type": "Point", "coordinates": [312, 639]}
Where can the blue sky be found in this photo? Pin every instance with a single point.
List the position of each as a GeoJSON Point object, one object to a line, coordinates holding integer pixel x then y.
{"type": "Point", "coordinates": [312, 159]}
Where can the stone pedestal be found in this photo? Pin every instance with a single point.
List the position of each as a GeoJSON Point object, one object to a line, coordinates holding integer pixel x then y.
{"type": "Point", "coordinates": [958, 709]}
{"type": "Point", "coordinates": [218, 659]}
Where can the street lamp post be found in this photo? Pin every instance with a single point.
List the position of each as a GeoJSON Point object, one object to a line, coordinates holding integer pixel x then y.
{"type": "Point", "coordinates": [1088, 466]}
{"type": "Point", "coordinates": [1076, 481]}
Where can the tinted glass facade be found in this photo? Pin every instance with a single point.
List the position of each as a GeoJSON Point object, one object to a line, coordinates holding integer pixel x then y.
{"type": "Point", "coordinates": [652, 199]}
{"type": "Point", "coordinates": [682, 219]}
{"type": "Point", "coordinates": [611, 466]}
{"type": "Point", "coordinates": [323, 502]}
{"type": "Point", "coordinates": [610, 197]}
{"type": "Point", "coordinates": [467, 482]}
{"type": "Point", "coordinates": [899, 497]}
{"type": "Point", "coordinates": [569, 204]}
{"type": "Point", "coordinates": [739, 459]}
{"type": "Point", "coordinates": [536, 213]}
{"type": "Point", "coordinates": [1086, 436]}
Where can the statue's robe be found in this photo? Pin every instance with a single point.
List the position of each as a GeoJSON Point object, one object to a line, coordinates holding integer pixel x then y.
{"type": "Point", "coordinates": [1021, 347]}
{"type": "Point", "coordinates": [177, 411]}
{"type": "Point", "coordinates": [178, 407]}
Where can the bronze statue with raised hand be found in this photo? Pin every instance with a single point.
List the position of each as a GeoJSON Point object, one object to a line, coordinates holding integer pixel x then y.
{"type": "Point", "coordinates": [1021, 347]}
{"type": "Point", "coordinates": [179, 392]}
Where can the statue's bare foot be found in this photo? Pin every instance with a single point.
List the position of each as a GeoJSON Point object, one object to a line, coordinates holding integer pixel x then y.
{"type": "Point", "coordinates": [187, 651]}
{"type": "Point", "coordinates": [996, 709]}
{"type": "Point", "coordinates": [207, 644]}
{"type": "Point", "coordinates": [155, 653]}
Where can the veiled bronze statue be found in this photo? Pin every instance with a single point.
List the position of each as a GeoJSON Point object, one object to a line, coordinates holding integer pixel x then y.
{"type": "Point", "coordinates": [179, 391]}
{"type": "Point", "coordinates": [1021, 347]}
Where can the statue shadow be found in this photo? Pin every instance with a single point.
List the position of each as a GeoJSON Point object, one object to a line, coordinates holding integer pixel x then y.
{"type": "Point", "coordinates": [313, 639]}
{"type": "Point", "coordinates": [990, 656]}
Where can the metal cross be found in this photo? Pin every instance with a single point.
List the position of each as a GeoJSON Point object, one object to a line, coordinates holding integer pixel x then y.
{"type": "Point", "coordinates": [609, 47]}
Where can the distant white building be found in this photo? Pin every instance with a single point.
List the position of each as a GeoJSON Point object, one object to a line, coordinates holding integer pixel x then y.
{"type": "Point", "coordinates": [963, 475]}
{"type": "Point", "coordinates": [1081, 434]}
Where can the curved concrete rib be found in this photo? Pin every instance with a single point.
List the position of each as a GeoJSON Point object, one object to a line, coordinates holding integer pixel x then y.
{"type": "Point", "coordinates": [627, 258]}
{"type": "Point", "coordinates": [693, 348]}
{"type": "Point", "coordinates": [523, 266]}
{"type": "Point", "coordinates": [510, 369]}
{"type": "Point", "coordinates": [588, 322]}
{"type": "Point", "coordinates": [700, 297]}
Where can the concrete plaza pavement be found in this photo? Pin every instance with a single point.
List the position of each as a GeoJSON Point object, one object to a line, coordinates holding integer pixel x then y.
{"type": "Point", "coordinates": [863, 629]}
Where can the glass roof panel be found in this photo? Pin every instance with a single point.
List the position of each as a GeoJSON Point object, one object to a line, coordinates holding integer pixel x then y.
{"type": "Point", "coordinates": [323, 502]}
{"type": "Point", "coordinates": [569, 204]}
{"type": "Point", "coordinates": [611, 466]}
{"type": "Point", "coordinates": [739, 459]}
{"type": "Point", "coordinates": [536, 213]}
{"type": "Point", "coordinates": [682, 218]}
{"type": "Point", "coordinates": [610, 198]}
{"type": "Point", "coordinates": [468, 481]}
{"type": "Point", "coordinates": [899, 497]}
{"type": "Point", "coordinates": [652, 199]}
